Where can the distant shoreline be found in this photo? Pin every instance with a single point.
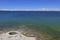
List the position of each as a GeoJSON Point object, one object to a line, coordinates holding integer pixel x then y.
{"type": "Point", "coordinates": [31, 10]}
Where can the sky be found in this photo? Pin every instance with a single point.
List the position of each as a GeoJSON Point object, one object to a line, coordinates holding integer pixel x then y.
{"type": "Point", "coordinates": [29, 4]}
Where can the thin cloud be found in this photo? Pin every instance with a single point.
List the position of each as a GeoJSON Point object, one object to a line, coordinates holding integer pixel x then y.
{"type": "Point", "coordinates": [39, 9]}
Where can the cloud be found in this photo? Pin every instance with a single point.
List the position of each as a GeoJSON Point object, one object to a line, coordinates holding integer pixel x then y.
{"type": "Point", "coordinates": [38, 9]}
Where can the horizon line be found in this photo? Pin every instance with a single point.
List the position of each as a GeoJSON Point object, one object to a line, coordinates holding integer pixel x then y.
{"type": "Point", "coordinates": [41, 9]}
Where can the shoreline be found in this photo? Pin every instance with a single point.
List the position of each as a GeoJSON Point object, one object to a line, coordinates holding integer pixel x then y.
{"type": "Point", "coordinates": [28, 31]}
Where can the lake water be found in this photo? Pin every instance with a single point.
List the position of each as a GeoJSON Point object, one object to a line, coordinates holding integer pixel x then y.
{"type": "Point", "coordinates": [46, 21]}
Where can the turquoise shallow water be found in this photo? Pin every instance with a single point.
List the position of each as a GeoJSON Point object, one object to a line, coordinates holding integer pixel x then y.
{"type": "Point", "coordinates": [29, 17]}
{"type": "Point", "coordinates": [48, 22]}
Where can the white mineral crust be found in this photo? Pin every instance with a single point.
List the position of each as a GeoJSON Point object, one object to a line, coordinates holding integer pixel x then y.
{"type": "Point", "coordinates": [18, 36]}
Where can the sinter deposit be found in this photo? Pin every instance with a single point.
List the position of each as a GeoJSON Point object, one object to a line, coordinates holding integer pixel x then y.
{"type": "Point", "coordinates": [15, 35]}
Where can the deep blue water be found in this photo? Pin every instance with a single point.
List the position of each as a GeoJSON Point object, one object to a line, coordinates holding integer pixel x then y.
{"type": "Point", "coordinates": [50, 18]}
